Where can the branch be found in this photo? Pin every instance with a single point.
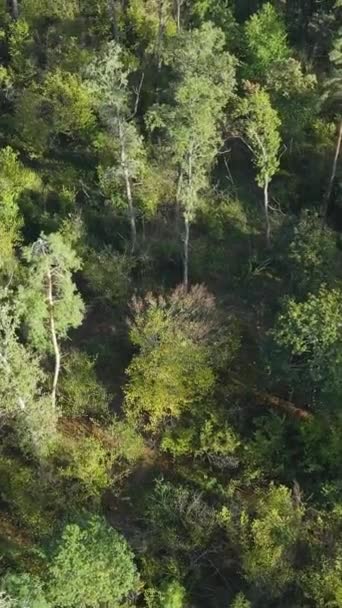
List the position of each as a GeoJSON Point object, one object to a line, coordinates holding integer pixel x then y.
{"type": "Point", "coordinates": [137, 92]}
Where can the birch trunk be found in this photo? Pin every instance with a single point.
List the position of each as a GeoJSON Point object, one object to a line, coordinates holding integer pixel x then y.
{"type": "Point", "coordinates": [266, 209]}
{"type": "Point", "coordinates": [54, 339]}
{"type": "Point", "coordinates": [186, 252]}
{"type": "Point", "coordinates": [15, 9]}
{"type": "Point", "coordinates": [333, 171]}
{"type": "Point", "coordinates": [129, 196]}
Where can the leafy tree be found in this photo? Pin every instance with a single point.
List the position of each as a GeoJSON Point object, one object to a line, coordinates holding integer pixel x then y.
{"type": "Point", "coordinates": [269, 541]}
{"type": "Point", "coordinates": [69, 101]}
{"type": "Point", "coordinates": [260, 126]}
{"type": "Point", "coordinates": [15, 179]}
{"type": "Point", "coordinates": [266, 41]}
{"type": "Point", "coordinates": [49, 301]}
{"type": "Point", "coordinates": [324, 585]}
{"type": "Point", "coordinates": [313, 255]}
{"type": "Point", "coordinates": [92, 565]}
{"type": "Point", "coordinates": [174, 370]}
{"type": "Point", "coordinates": [311, 334]}
{"type": "Point", "coordinates": [169, 374]}
{"type": "Point", "coordinates": [172, 596]}
{"type": "Point", "coordinates": [205, 81]}
{"type": "Point", "coordinates": [23, 402]}
{"type": "Point", "coordinates": [25, 590]}
{"type": "Point", "coordinates": [108, 78]}
{"type": "Point", "coordinates": [154, 22]}
{"type": "Point", "coordinates": [240, 601]}
{"type": "Point", "coordinates": [80, 391]}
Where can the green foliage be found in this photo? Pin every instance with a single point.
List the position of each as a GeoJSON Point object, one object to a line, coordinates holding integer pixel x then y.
{"type": "Point", "coordinates": [25, 590]}
{"type": "Point", "coordinates": [269, 540]}
{"type": "Point", "coordinates": [33, 132]}
{"type": "Point", "coordinates": [15, 180]}
{"type": "Point", "coordinates": [109, 274]}
{"type": "Point", "coordinates": [260, 125]}
{"type": "Point", "coordinates": [172, 371]}
{"type": "Point", "coordinates": [30, 497]}
{"type": "Point", "coordinates": [313, 255]}
{"type": "Point", "coordinates": [205, 81]}
{"type": "Point", "coordinates": [62, 9]}
{"type": "Point", "coordinates": [129, 445]}
{"type": "Point", "coordinates": [23, 68]}
{"type": "Point", "coordinates": [324, 585]}
{"type": "Point", "coordinates": [240, 601]}
{"type": "Point", "coordinates": [23, 402]}
{"type": "Point", "coordinates": [266, 41]}
{"type": "Point", "coordinates": [85, 466]}
{"type": "Point", "coordinates": [120, 114]}
{"type": "Point", "coordinates": [152, 20]}
{"type": "Point", "coordinates": [181, 521]}
{"type": "Point", "coordinates": [92, 565]}
{"type": "Point", "coordinates": [310, 331]}
{"type": "Point", "coordinates": [80, 391]}
{"type": "Point", "coordinates": [70, 102]}
{"type": "Point", "coordinates": [172, 596]}
{"type": "Point", "coordinates": [50, 257]}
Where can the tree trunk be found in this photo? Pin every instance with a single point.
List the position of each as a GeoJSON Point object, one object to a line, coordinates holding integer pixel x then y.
{"type": "Point", "coordinates": [131, 209]}
{"type": "Point", "coordinates": [333, 171]}
{"type": "Point", "coordinates": [178, 14]}
{"type": "Point", "coordinates": [15, 9]}
{"type": "Point", "coordinates": [186, 252]}
{"type": "Point", "coordinates": [267, 219]}
{"type": "Point", "coordinates": [54, 340]}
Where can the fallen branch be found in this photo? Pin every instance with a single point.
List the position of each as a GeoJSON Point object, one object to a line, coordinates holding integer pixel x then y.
{"type": "Point", "coordinates": [278, 403]}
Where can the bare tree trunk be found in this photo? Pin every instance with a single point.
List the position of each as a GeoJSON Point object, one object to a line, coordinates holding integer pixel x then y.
{"type": "Point", "coordinates": [128, 189]}
{"type": "Point", "coordinates": [178, 13]}
{"type": "Point", "coordinates": [54, 340]}
{"type": "Point", "coordinates": [333, 171]}
{"type": "Point", "coordinates": [186, 251]}
{"type": "Point", "coordinates": [267, 219]}
{"type": "Point", "coordinates": [15, 9]}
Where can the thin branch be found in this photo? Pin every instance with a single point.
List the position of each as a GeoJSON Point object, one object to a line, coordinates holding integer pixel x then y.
{"type": "Point", "coordinates": [137, 92]}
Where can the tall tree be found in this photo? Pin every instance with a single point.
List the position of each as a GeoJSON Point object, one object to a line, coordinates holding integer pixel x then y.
{"type": "Point", "coordinates": [15, 181]}
{"type": "Point", "coordinates": [205, 79]}
{"type": "Point", "coordinates": [109, 81]}
{"type": "Point", "coordinates": [260, 126]}
{"type": "Point", "coordinates": [49, 301]}
{"type": "Point", "coordinates": [92, 566]}
{"type": "Point", "coordinates": [334, 93]}
{"type": "Point", "coordinates": [266, 42]}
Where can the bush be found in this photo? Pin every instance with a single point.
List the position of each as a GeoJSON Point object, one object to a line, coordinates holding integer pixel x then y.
{"type": "Point", "coordinates": [80, 391]}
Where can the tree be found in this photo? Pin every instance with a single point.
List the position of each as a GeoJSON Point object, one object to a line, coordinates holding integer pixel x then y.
{"type": "Point", "coordinates": [15, 180]}
{"type": "Point", "coordinates": [23, 403]}
{"type": "Point", "coordinates": [154, 22]}
{"type": "Point", "coordinates": [334, 93]}
{"type": "Point", "coordinates": [269, 540]}
{"type": "Point", "coordinates": [171, 371]}
{"type": "Point", "coordinates": [313, 255]}
{"type": "Point", "coordinates": [24, 590]}
{"type": "Point", "coordinates": [266, 42]}
{"type": "Point", "coordinates": [173, 595]}
{"type": "Point", "coordinates": [91, 566]}
{"type": "Point", "coordinates": [108, 79]}
{"type": "Point", "coordinates": [205, 79]}
{"type": "Point", "coordinates": [310, 333]}
{"type": "Point", "coordinates": [260, 127]}
{"type": "Point", "coordinates": [240, 601]}
{"type": "Point", "coordinates": [49, 302]}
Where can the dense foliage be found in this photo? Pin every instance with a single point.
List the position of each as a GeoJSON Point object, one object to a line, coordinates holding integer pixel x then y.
{"type": "Point", "coordinates": [170, 304]}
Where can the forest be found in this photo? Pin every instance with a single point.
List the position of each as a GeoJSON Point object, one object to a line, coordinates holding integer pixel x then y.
{"type": "Point", "coordinates": [170, 304]}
